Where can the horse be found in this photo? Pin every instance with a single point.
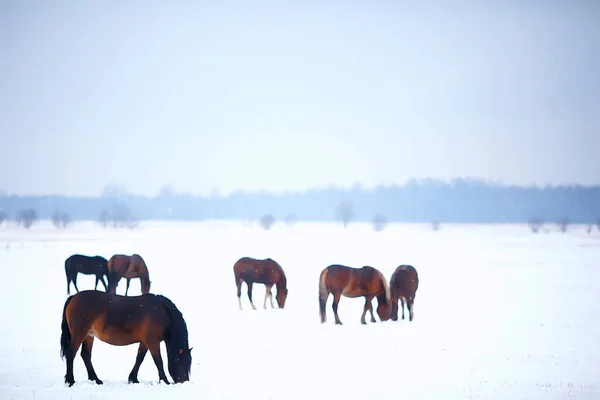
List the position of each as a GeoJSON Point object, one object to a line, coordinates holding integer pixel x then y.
{"type": "Point", "coordinates": [403, 285]}
{"type": "Point", "coordinates": [120, 321]}
{"type": "Point", "coordinates": [366, 282]}
{"type": "Point", "coordinates": [87, 265]}
{"type": "Point", "coordinates": [265, 271]}
{"type": "Point", "coordinates": [128, 267]}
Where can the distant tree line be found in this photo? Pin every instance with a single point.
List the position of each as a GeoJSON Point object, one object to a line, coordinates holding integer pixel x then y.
{"type": "Point", "coordinates": [427, 201]}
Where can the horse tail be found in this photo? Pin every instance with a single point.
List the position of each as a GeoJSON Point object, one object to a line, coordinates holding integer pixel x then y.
{"type": "Point", "coordinates": [67, 273]}
{"type": "Point", "coordinates": [65, 336]}
{"type": "Point", "coordinates": [323, 293]}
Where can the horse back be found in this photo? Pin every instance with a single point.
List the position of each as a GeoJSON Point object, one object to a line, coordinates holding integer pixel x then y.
{"type": "Point", "coordinates": [404, 281]}
{"type": "Point", "coordinates": [88, 265]}
{"type": "Point", "coordinates": [248, 269]}
{"type": "Point", "coordinates": [338, 277]}
{"type": "Point", "coordinates": [110, 313]}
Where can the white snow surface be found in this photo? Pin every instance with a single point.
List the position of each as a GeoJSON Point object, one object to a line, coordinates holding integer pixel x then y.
{"type": "Point", "coordinates": [500, 313]}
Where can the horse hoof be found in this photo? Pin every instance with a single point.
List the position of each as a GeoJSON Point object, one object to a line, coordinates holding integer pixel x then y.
{"type": "Point", "coordinates": [99, 382]}
{"type": "Point", "coordinates": [134, 381]}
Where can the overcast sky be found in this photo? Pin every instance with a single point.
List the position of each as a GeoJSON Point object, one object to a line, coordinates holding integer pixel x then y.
{"type": "Point", "coordinates": [274, 96]}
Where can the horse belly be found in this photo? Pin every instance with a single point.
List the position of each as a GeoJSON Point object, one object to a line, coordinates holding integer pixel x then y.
{"type": "Point", "coordinates": [115, 336]}
{"type": "Point", "coordinates": [352, 290]}
{"type": "Point", "coordinates": [87, 270]}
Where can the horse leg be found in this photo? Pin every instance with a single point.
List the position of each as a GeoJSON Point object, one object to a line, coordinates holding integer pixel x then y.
{"type": "Point", "coordinates": [104, 283]}
{"type": "Point", "coordinates": [336, 299]}
{"type": "Point", "coordinates": [371, 310]}
{"type": "Point", "coordinates": [368, 307]}
{"type": "Point", "coordinates": [142, 350]}
{"type": "Point", "coordinates": [250, 294]}
{"type": "Point", "coordinates": [155, 352]}
{"type": "Point", "coordinates": [410, 303]}
{"type": "Point", "coordinates": [86, 355]}
{"type": "Point", "coordinates": [76, 340]}
{"type": "Point", "coordinates": [238, 283]}
{"type": "Point", "coordinates": [68, 285]}
{"type": "Point", "coordinates": [96, 285]}
{"type": "Point", "coordinates": [127, 288]}
{"type": "Point", "coordinates": [75, 283]}
{"type": "Point", "coordinates": [402, 305]}
{"type": "Point", "coordinates": [268, 295]}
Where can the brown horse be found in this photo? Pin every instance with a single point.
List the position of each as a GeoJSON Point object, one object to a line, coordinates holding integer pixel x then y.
{"type": "Point", "coordinates": [128, 267]}
{"type": "Point", "coordinates": [267, 272]}
{"type": "Point", "coordinates": [365, 282]}
{"type": "Point", "coordinates": [403, 285]}
{"type": "Point", "coordinates": [120, 321]}
{"type": "Point", "coordinates": [86, 265]}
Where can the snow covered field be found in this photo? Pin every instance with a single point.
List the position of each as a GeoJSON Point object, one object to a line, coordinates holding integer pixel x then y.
{"type": "Point", "coordinates": [500, 313]}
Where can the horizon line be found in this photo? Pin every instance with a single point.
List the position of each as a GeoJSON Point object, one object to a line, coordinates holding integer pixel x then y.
{"type": "Point", "coordinates": [121, 190]}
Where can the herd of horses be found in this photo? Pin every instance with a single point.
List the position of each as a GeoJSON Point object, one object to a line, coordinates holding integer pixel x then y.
{"type": "Point", "coordinates": [150, 319]}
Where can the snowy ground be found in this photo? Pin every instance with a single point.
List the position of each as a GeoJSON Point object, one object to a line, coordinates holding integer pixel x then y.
{"type": "Point", "coordinates": [500, 313]}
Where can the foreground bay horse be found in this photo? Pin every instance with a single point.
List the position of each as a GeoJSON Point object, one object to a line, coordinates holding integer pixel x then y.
{"type": "Point", "coordinates": [366, 282]}
{"type": "Point", "coordinates": [86, 265]}
{"type": "Point", "coordinates": [403, 285]}
{"type": "Point", "coordinates": [128, 267]}
{"type": "Point", "coordinates": [267, 272]}
{"type": "Point", "coordinates": [120, 321]}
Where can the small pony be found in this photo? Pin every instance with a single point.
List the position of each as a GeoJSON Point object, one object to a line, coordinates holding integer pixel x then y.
{"type": "Point", "coordinates": [128, 267]}
{"type": "Point", "coordinates": [267, 272]}
{"type": "Point", "coordinates": [86, 265]}
{"type": "Point", "coordinates": [367, 282]}
{"type": "Point", "coordinates": [120, 321]}
{"type": "Point", "coordinates": [403, 285]}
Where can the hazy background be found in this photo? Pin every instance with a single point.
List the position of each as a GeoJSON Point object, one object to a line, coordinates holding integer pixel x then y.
{"type": "Point", "coordinates": [233, 95]}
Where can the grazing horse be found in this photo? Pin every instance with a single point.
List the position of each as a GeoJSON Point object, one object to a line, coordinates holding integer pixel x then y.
{"type": "Point", "coordinates": [78, 263]}
{"type": "Point", "coordinates": [367, 282]}
{"type": "Point", "coordinates": [267, 272]}
{"type": "Point", "coordinates": [128, 267]}
{"type": "Point", "coordinates": [403, 285]}
{"type": "Point", "coordinates": [120, 321]}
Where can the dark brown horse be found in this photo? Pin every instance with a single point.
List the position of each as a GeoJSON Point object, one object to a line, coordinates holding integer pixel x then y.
{"type": "Point", "coordinates": [128, 267]}
{"type": "Point", "coordinates": [403, 285]}
{"type": "Point", "coordinates": [120, 320]}
{"type": "Point", "coordinates": [87, 265]}
{"type": "Point", "coordinates": [267, 272]}
{"type": "Point", "coordinates": [366, 282]}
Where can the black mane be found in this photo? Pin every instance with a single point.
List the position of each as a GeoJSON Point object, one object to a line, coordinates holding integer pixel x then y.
{"type": "Point", "coordinates": [177, 333]}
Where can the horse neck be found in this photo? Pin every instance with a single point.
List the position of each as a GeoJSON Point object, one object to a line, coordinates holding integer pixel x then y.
{"type": "Point", "coordinates": [386, 295]}
{"type": "Point", "coordinates": [145, 278]}
{"type": "Point", "coordinates": [177, 330]}
{"type": "Point", "coordinates": [282, 282]}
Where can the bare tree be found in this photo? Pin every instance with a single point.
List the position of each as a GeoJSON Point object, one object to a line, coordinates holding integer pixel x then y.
{"type": "Point", "coordinates": [60, 219]}
{"type": "Point", "coordinates": [589, 228]}
{"type": "Point", "coordinates": [27, 217]}
{"type": "Point", "coordinates": [119, 216]}
{"type": "Point", "coordinates": [290, 219]}
{"type": "Point", "coordinates": [535, 224]}
{"type": "Point", "coordinates": [104, 217]}
{"type": "Point", "coordinates": [563, 224]}
{"type": "Point", "coordinates": [266, 221]}
{"type": "Point", "coordinates": [435, 226]}
{"type": "Point", "coordinates": [345, 213]}
{"type": "Point", "coordinates": [379, 222]}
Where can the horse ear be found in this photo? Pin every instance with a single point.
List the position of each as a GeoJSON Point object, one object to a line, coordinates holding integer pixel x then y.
{"type": "Point", "coordinates": [180, 351]}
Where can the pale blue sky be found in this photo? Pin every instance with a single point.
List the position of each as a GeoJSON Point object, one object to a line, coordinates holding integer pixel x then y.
{"type": "Point", "coordinates": [274, 96]}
